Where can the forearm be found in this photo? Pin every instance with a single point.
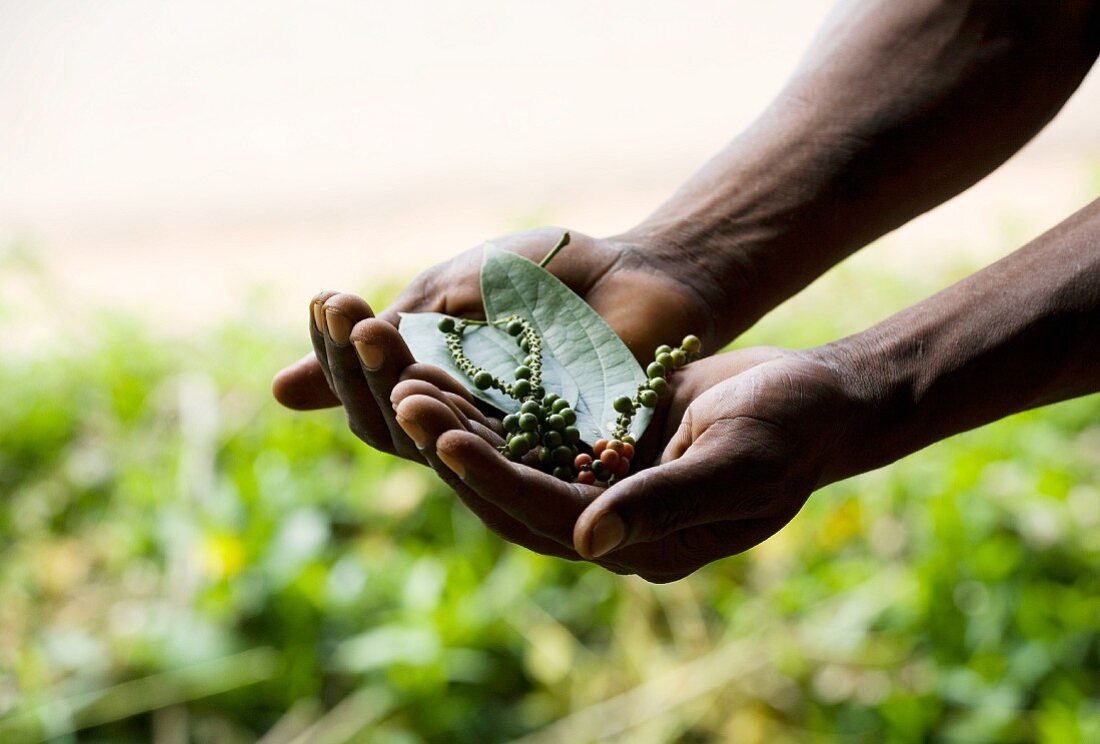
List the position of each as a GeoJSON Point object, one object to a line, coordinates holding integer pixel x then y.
{"type": "Point", "coordinates": [1022, 333]}
{"type": "Point", "coordinates": [896, 108]}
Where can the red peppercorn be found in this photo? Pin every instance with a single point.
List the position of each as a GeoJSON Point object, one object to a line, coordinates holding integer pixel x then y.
{"type": "Point", "coordinates": [622, 468]}
{"type": "Point", "coordinates": [582, 461]}
{"type": "Point", "coordinates": [587, 477]}
{"type": "Point", "coordinates": [616, 445]}
{"type": "Point", "coordinates": [610, 458]}
{"type": "Point", "coordinates": [599, 446]}
{"type": "Point", "coordinates": [628, 451]}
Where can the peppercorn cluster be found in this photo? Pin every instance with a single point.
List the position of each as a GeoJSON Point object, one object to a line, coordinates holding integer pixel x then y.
{"type": "Point", "coordinates": [542, 433]}
{"type": "Point", "coordinates": [666, 360]}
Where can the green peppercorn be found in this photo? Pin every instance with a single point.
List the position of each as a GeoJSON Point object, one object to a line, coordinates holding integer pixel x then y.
{"type": "Point", "coordinates": [563, 472]}
{"type": "Point", "coordinates": [691, 344]}
{"type": "Point", "coordinates": [530, 406]}
{"type": "Point", "coordinates": [518, 445]}
{"type": "Point", "coordinates": [550, 400]}
{"type": "Point", "coordinates": [483, 380]}
{"type": "Point", "coordinates": [623, 404]}
{"type": "Point", "coordinates": [665, 360]}
{"type": "Point", "coordinates": [514, 327]}
{"type": "Point", "coordinates": [532, 438]}
{"type": "Point", "coordinates": [571, 434]}
{"type": "Point", "coordinates": [563, 455]}
{"type": "Point", "coordinates": [521, 389]}
{"type": "Point", "coordinates": [523, 373]}
{"type": "Point", "coordinates": [447, 325]}
{"type": "Point", "coordinates": [552, 439]}
{"type": "Point", "coordinates": [555, 421]}
{"type": "Point", "coordinates": [679, 358]}
{"type": "Point", "coordinates": [569, 415]}
{"type": "Point", "coordinates": [524, 345]}
{"type": "Point", "coordinates": [528, 421]}
{"type": "Point", "coordinates": [530, 361]}
{"type": "Point", "coordinates": [648, 398]}
{"type": "Point", "coordinates": [629, 440]}
{"type": "Point", "coordinates": [662, 349]}
{"type": "Point", "coordinates": [559, 405]}
{"type": "Point", "coordinates": [546, 456]}
{"type": "Point", "coordinates": [511, 422]}
{"type": "Point", "coordinates": [659, 385]}
{"type": "Point", "coordinates": [601, 471]}
{"type": "Point", "coordinates": [655, 369]}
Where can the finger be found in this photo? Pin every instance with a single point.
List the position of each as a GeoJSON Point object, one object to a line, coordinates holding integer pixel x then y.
{"type": "Point", "coordinates": [317, 333]}
{"type": "Point", "coordinates": [302, 386]}
{"type": "Point", "coordinates": [383, 357]}
{"type": "Point", "coordinates": [426, 418]}
{"type": "Point", "coordinates": [544, 504]}
{"type": "Point", "coordinates": [365, 418]}
{"type": "Point", "coordinates": [408, 388]}
{"type": "Point", "coordinates": [436, 376]}
{"type": "Point", "coordinates": [654, 503]}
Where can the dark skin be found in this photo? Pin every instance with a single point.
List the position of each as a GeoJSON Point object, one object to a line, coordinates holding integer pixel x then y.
{"type": "Point", "coordinates": [898, 107]}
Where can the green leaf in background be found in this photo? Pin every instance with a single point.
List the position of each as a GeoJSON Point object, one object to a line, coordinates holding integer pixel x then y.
{"type": "Point", "coordinates": [489, 347]}
{"type": "Point", "coordinates": [596, 359]}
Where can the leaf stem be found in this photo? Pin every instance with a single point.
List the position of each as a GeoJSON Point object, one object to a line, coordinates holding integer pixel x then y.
{"type": "Point", "coordinates": [564, 241]}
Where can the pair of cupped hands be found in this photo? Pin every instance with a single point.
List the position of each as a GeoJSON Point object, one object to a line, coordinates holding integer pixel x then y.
{"type": "Point", "coordinates": [734, 450]}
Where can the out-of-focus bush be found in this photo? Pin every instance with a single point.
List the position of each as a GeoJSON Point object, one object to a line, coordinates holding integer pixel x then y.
{"type": "Point", "coordinates": [180, 557]}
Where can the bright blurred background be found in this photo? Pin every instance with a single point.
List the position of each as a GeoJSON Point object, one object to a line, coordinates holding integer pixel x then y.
{"type": "Point", "coordinates": [181, 560]}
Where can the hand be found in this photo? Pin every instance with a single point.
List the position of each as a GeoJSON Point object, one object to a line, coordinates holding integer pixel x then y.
{"type": "Point", "coordinates": [610, 274]}
{"type": "Point", "coordinates": [743, 440]}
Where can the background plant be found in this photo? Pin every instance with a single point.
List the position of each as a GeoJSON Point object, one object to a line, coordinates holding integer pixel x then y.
{"type": "Point", "coordinates": [178, 556]}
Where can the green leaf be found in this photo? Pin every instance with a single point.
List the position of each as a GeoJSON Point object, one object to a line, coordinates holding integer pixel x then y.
{"type": "Point", "coordinates": [594, 358]}
{"type": "Point", "coordinates": [488, 347]}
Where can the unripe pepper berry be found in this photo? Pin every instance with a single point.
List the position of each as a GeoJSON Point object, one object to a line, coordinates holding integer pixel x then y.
{"type": "Point", "coordinates": [691, 344]}
{"type": "Point", "coordinates": [662, 349]}
{"type": "Point", "coordinates": [600, 470]}
{"type": "Point", "coordinates": [648, 398]}
{"type": "Point", "coordinates": [555, 421]}
{"type": "Point", "coordinates": [655, 369]}
{"type": "Point", "coordinates": [623, 404]}
{"type": "Point", "coordinates": [511, 423]}
{"type": "Point", "coordinates": [447, 325]}
{"type": "Point", "coordinates": [518, 445]}
{"type": "Point", "coordinates": [665, 359]}
{"type": "Point", "coordinates": [514, 327]}
{"type": "Point", "coordinates": [483, 380]}
{"type": "Point", "coordinates": [679, 358]}
{"type": "Point", "coordinates": [528, 421]}
{"type": "Point", "coordinates": [569, 415]}
{"type": "Point", "coordinates": [562, 472]}
{"type": "Point", "coordinates": [523, 373]}
{"type": "Point", "coordinates": [563, 455]}
{"type": "Point", "coordinates": [571, 435]}
{"type": "Point", "coordinates": [659, 385]}
{"type": "Point", "coordinates": [559, 405]}
{"type": "Point", "coordinates": [521, 389]}
{"type": "Point", "coordinates": [552, 439]}
{"type": "Point", "coordinates": [531, 406]}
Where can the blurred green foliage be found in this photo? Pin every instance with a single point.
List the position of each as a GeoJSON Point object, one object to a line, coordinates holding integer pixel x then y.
{"type": "Point", "coordinates": [182, 560]}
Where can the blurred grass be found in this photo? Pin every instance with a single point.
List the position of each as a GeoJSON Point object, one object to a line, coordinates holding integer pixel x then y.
{"type": "Point", "coordinates": [181, 560]}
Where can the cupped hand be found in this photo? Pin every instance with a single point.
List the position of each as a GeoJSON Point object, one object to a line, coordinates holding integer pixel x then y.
{"type": "Point", "coordinates": [740, 444]}
{"type": "Point", "coordinates": [357, 357]}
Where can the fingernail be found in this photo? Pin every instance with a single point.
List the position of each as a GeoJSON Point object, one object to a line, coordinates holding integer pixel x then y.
{"type": "Point", "coordinates": [370, 355]}
{"type": "Point", "coordinates": [414, 431]}
{"type": "Point", "coordinates": [453, 463]}
{"type": "Point", "coordinates": [607, 534]}
{"type": "Point", "coordinates": [318, 317]}
{"type": "Point", "coordinates": [339, 327]}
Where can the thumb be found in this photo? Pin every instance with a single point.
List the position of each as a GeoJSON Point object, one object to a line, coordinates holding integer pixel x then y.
{"type": "Point", "coordinates": [302, 386]}
{"type": "Point", "coordinates": [654, 503]}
